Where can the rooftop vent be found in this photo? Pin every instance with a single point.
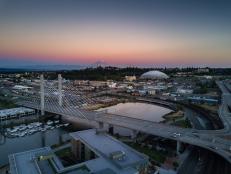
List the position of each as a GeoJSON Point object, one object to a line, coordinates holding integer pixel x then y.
{"type": "Point", "coordinates": [118, 155]}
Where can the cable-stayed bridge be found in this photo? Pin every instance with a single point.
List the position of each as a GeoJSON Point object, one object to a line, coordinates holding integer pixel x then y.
{"type": "Point", "coordinates": [63, 98]}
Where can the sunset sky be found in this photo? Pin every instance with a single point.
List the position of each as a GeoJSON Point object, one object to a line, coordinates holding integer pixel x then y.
{"type": "Point", "coordinates": [119, 32]}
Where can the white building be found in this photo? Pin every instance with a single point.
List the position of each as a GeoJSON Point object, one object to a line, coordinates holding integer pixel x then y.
{"type": "Point", "coordinates": [154, 75]}
{"type": "Point", "coordinates": [22, 88]}
{"type": "Point", "coordinates": [112, 84]}
{"type": "Point", "coordinates": [184, 91]}
{"type": "Point", "coordinates": [130, 78]}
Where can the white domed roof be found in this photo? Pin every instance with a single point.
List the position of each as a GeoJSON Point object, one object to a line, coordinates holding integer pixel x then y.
{"type": "Point", "coordinates": [154, 75]}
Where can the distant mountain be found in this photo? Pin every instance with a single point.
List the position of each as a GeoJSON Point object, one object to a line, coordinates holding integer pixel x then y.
{"type": "Point", "coordinates": [99, 63]}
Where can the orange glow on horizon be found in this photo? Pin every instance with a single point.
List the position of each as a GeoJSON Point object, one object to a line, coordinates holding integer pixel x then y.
{"type": "Point", "coordinates": [113, 45]}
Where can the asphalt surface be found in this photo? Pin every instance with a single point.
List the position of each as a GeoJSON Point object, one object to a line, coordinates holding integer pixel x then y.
{"type": "Point", "coordinates": [190, 136]}
{"type": "Point", "coordinates": [209, 139]}
{"type": "Point", "coordinates": [202, 161]}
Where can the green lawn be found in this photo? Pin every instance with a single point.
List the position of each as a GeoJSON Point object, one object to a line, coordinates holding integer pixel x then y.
{"type": "Point", "coordinates": [153, 154]}
{"type": "Point", "coordinates": [64, 152]}
{"type": "Point", "coordinates": [182, 123]}
{"type": "Point", "coordinates": [6, 104]}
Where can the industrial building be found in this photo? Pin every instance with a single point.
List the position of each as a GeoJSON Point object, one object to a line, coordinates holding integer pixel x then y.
{"type": "Point", "coordinates": [6, 114]}
{"type": "Point", "coordinates": [203, 100]}
{"type": "Point", "coordinates": [90, 152]}
{"type": "Point", "coordinates": [130, 78]}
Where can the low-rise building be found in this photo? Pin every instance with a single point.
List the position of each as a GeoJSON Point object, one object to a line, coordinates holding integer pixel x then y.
{"type": "Point", "coordinates": [203, 70]}
{"type": "Point", "coordinates": [22, 88]}
{"type": "Point", "coordinates": [151, 91]}
{"type": "Point", "coordinates": [203, 100]}
{"type": "Point", "coordinates": [130, 78]}
{"type": "Point", "coordinates": [6, 114]}
{"type": "Point", "coordinates": [184, 91]}
{"type": "Point", "coordinates": [111, 84]}
{"type": "Point", "coordinates": [90, 152]}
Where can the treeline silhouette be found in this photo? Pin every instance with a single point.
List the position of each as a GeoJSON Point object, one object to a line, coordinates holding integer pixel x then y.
{"type": "Point", "coordinates": [115, 73]}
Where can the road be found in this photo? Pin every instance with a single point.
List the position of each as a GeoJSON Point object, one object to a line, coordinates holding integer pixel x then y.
{"type": "Point", "coordinates": [190, 136]}
{"type": "Point", "coordinates": [201, 161]}
{"type": "Point", "coordinates": [213, 140]}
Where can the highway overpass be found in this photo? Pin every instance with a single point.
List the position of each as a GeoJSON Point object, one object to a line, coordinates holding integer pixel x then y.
{"type": "Point", "coordinates": [65, 105]}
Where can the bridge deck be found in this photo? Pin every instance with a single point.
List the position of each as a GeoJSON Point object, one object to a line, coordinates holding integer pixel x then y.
{"type": "Point", "coordinates": [191, 136]}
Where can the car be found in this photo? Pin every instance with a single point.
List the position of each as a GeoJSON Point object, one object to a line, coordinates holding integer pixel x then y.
{"type": "Point", "coordinates": [216, 148]}
{"type": "Point", "coordinates": [177, 134]}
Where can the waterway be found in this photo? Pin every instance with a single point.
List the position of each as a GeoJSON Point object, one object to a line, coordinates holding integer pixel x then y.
{"type": "Point", "coordinates": [36, 140]}
{"type": "Point", "coordinates": [56, 136]}
{"type": "Point", "coordinates": [139, 110]}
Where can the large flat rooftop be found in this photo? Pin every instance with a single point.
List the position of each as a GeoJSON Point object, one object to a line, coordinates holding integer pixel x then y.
{"type": "Point", "coordinates": [45, 160]}
{"type": "Point", "coordinates": [23, 162]}
{"type": "Point", "coordinates": [105, 145]}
